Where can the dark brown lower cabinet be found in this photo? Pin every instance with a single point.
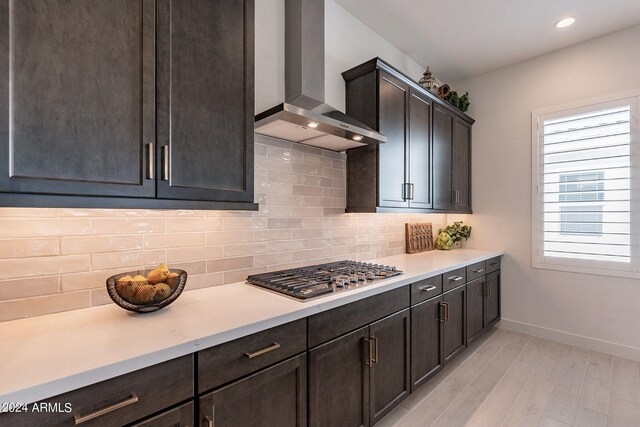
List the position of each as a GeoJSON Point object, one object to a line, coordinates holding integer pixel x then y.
{"type": "Point", "coordinates": [356, 379]}
{"type": "Point", "coordinates": [426, 341]}
{"type": "Point", "coordinates": [275, 396]}
{"type": "Point", "coordinates": [390, 367]}
{"type": "Point", "coordinates": [182, 416]}
{"type": "Point", "coordinates": [339, 381]}
{"type": "Point", "coordinates": [492, 298]}
{"type": "Point", "coordinates": [476, 319]}
{"type": "Point", "coordinates": [455, 331]}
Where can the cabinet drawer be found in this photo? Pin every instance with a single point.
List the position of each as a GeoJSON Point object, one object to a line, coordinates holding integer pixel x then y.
{"type": "Point", "coordinates": [118, 401]}
{"type": "Point", "coordinates": [226, 362]}
{"type": "Point", "coordinates": [425, 289]}
{"type": "Point", "coordinates": [475, 271]}
{"type": "Point", "coordinates": [453, 279]}
{"type": "Point", "coordinates": [338, 321]}
{"type": "Point", "coordinates": [493, 264]}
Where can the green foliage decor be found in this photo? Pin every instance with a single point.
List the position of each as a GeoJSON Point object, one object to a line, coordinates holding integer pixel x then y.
{"type": "Point", "coordinates": [452, 234]}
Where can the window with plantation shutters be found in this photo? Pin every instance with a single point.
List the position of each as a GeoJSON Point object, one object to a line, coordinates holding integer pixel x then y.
{"type": "Point", "coordinates": [584, 197]}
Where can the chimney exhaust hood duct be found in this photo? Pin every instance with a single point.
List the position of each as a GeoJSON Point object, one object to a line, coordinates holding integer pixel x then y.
{"type": "Point", "coordinates": [304, 117]}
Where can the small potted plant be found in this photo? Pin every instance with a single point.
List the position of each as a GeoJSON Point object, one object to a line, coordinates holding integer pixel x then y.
{"type": "Point", "coordinates": [451, 236]}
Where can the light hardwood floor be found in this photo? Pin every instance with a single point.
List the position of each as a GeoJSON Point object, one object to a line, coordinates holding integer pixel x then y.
{"type": "Point", "coordinates": [510, 379]}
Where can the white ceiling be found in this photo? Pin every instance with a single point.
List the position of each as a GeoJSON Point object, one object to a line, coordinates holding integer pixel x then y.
{"type": "Point", "coordinates": [464, 38]}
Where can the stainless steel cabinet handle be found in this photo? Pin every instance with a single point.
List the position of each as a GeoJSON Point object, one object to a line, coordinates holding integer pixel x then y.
{"type": "Point", "coordinates": [427, 288]}
{"type": "Point", "coordinates": [478, 270]}
{"type": "Point", "coordinates": [165, 162]}
{"type": "Point", "coordinates": [412, 191]}
{"type": "Point", "coordinates": [493, 264]}
{"type": "Point", "coordinates": [376, 359]}
{"type": "Point", "coordinates": [272, 347]}
{"type": "Point", "coordinates": [446, 311]}
{"type": "Point", "coordinates": [370, 361]}
{"type": "Point", "coordinates": [489, 283]}
{"type": "Point", "coordinates": [79, 419]}
{"type": "Point", "coordinates": [150, 155]}
{"type": "Point", "coordinates": [442, 318]}
{"type": "Point", "coordinates": [209, 421]}
{"type": "Point", "coordinates": [454, 278]}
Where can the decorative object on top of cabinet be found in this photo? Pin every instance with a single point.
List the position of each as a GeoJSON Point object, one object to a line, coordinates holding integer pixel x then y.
{"type": "Point", "coordinates": [418, 237]}
{"type": "Point", "coordinates": [144, 293]}
{"type": "Point", "coordinates": [429, 81]}
{"type": "Point", "coordinates": [460, 102]}
{"type": "Point", "coordinates": [443, 91]}
{"type": "Point", "coordinates": [453, 234]}
{"type": "Point", "coordinates": [105, 133]}
{"type": "Point", "coordinates": [425, 165]}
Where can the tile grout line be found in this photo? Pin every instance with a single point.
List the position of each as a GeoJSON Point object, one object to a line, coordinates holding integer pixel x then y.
{"type": "Point", "coordinates": [480, 373]}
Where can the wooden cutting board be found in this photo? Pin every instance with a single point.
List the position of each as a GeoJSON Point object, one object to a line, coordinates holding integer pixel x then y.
{"type": "Point", "coordinates": [419, 237]}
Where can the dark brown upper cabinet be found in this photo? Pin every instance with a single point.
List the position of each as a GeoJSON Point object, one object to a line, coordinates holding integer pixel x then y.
{"type": "Point", "coordinates": [426, 164]}
{"type": "Point", "coordinates": [131, 104]}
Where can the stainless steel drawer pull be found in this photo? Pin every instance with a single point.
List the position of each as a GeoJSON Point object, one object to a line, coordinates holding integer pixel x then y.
{"type": "Point", "coordinates": [427, 288]}
{"type": "Point", "coordinates": [150, 155]}
{"type": "Point", "coordinates": [272, 347]}
{"type": "Point", "coordinates": [79, 419]}
{"type": "Point", "coordinates": [478, 270]}
{"type": "Point", "coordinates": [493, 264]}
{"type": "Point", "coordinates": [455, 278]}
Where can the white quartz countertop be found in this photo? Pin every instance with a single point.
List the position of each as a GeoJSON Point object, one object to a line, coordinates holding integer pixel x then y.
{"type": "Point", "coordinates": [44, 356]}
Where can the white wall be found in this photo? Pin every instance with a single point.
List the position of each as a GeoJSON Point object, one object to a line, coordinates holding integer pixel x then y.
{"type": "Point", "coordinates": [586, 310]}
{"type": "Point", "coordinates": [348, 43]}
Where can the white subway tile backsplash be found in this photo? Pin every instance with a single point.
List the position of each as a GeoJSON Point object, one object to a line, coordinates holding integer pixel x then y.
{"type": "Point", "coordinates": [59, 259]}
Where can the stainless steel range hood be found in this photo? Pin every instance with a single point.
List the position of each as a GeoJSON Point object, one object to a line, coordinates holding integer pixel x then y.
{"type": "Point", "coordinates": [304, 117]}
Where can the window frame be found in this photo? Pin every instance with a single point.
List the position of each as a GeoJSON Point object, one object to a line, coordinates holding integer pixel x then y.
{"type": "Point", "coordinates": [606, 268]}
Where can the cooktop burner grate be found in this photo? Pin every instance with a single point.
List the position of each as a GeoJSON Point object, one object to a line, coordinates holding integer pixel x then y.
{"type": "Point", "coordinates": [309, 282]}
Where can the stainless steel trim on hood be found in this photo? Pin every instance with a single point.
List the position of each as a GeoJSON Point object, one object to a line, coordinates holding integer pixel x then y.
{"type": "Point", "coordinates": [304, 117]}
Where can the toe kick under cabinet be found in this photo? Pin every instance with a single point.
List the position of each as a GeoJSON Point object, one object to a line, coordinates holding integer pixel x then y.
{"type": "Point", "coordinates": [348, 366]}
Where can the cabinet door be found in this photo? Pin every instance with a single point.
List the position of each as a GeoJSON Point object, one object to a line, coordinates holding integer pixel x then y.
{"type": "Point", "coordinates": [182, 416]}
{"type": "Point", "coordinates": [475, 308]}
{"type": "Point", "coordinates": [339, 382]}
{"type": "Point", "coordinates": [77, 106]}
{"type": "Point", "coordinates": [426, 341]}
{"type": "Point", "coordinates": [493, 297]}
{"type": "Point", "coordinates": [419, 151]}
{"type": "Point", "coordinates": [276, 396]}
{"type": "Point", "coordinates": [390, 371]}
{"type": "Point", "coordinates": [205, 99]}
{"type": "Point", "coordinates": [454, 336]}
{"type": "Point", "coordinates": [442, 151]}
{"type": "Point", "coordinates": [392, 123]}
{"type": "Point", "coordinates": [462, 165]}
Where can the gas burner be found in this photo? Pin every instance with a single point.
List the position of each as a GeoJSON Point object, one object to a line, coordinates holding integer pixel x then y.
{"type": "Point", "coordinates": [309, 282]}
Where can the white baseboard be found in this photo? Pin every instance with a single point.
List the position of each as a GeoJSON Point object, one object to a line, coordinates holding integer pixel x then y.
{"type": "Point", "coordinates": [619, 350]}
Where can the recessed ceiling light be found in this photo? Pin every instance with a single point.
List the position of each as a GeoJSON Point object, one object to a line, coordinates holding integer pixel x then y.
{"type": "Point", "coordinates": [565, 22]}
{"type": "Point", "coordinates": [313, 125]}
{"type": "Point", "coordinates": [357, 138]}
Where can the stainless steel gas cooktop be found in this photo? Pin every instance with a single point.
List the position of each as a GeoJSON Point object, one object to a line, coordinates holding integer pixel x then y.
{"type": "Point", "coordinates": [309, 282]}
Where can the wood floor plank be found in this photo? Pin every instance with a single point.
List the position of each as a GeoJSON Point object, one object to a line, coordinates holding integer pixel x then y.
{"type": "Point", "coordinates": [596, 389]}
{"type": "Point", "coordinates": [565, 396]}
{"type": "Point", "coordinates": [550, 422]}
{"type": "Point", "coordinates": [496, 406]}
{"type": "Point", "coordinates": [463, 407]}
{"type": "Point", "coordinates": [434, 404]}
{"type": "Point", "coordinates": [532, 402]}
{"type": "Point", "coordinates": [393, 417]}
{"type": "Point", "coordinates": [589, 418]}
{"type": "Point", "coordinates": [623, 413]}
{"type": "Point", "coordinates": [625, 380]}
{"type": "Point", "coordinates": [419, 395]}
